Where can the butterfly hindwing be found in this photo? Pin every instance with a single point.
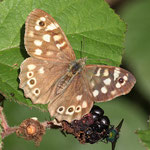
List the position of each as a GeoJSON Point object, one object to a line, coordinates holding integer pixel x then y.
{"type": "Point", "coordinates": [38, 79]}
{"type": "Point", "coordinates": [75, 102]}
{"type": "Point", "coordinates": [108, 82]}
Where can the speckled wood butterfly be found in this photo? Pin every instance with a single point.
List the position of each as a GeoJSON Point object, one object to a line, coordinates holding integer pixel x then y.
{"type": "Point", "coordinates": [53, 75]}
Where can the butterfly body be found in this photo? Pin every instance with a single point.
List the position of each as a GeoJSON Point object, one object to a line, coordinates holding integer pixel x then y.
{"type": "Point", "coordinates": [74, 68]}
{"type": "Point", "coordinates": [53, 75]}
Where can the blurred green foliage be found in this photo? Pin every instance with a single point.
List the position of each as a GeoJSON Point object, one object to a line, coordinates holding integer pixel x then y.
{"type": "Point", "coordinates": [137, 56]}
{"type": "Point", "coordinates": [144, 135]}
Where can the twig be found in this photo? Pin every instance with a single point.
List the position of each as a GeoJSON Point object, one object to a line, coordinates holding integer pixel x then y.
{"type": "Point", "coordinates": [5, 127]}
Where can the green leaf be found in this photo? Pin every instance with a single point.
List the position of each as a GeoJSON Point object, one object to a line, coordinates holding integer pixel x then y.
{"type": "Point", "coordinates": [137, 43]}
{"type": "Point", "coordinates": [144, 136]}
{"type": "Point", "coordinates": [92, 22]}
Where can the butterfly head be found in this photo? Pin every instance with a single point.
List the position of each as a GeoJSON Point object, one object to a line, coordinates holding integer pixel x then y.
{"type": "Point", "coordinates": [77, 66]}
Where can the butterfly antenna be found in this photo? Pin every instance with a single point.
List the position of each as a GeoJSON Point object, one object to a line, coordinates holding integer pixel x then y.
{"type": "Point", "coordinates": [82, 48]}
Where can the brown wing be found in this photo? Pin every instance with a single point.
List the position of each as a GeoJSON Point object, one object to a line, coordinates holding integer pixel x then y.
{"type": "Point", "coordinates": [38, 78]}
{"type": "Point", "coordinates": [75, 102]}
{"type": "Point", "coordinates": [44, 38]}
{"type": "Point", "coordinates": [108, 82]}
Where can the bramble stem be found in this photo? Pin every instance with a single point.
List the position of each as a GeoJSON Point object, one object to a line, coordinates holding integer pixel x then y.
{"type": "Point", "coordinates": [5, 127]}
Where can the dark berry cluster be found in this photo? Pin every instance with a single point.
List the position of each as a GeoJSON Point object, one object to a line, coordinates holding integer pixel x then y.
{"type": "Point", "coordinates": [98, 130]}
{"type": "Point", "coordinates": [93, 127]}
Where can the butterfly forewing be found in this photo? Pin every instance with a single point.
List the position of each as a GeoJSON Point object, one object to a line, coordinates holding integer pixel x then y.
{"type": "Point", "coordinates": [38, 79]}
{"type": "Point", "coordinates": [44, 39]}
{"type": "Point", "coordinates": [75, 102]}
{"type": "Point", "coordinates": [108, 82]}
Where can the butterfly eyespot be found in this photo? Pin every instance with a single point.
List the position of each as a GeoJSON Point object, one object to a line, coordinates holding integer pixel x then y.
{"type": "Point", "coordinates": [61, 109]}
{"type": "Point", "coordinates": [37, 91]}
{"type": "Point", "coordinates": [42, 23]}
{"type": "Point", "coordinates": [32, 81]}
{"type": "Point", "coordinates": [78, 109]}
{"type": "Point", "coordinates": [121, 80]}
{"type": "Point", "coordinates": [70, 109]}
{"type": "Point", "coordinates": [29, 74]}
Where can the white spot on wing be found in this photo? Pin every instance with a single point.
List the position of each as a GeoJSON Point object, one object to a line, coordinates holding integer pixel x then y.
{"type": "Point", "coordinates": [118, 85]}
{"type": "Point", "coordinates": [113, 92]}
{"type": "Point", "coordinates": [92, 83]}
{"type": "Point", "coordinates": [57, 37]}
{"type": "Point", "coordinates": [79, 97]}
{"type": "Point", "coordinates": [31, 67]}
{"type": "Point", "coordinates": [34, 118]}
{"type": "Point", "coordinates": [38, 52]}
{"type": "Point", "coordinates": [38, 42]}
{"type": "Point", "coordinates": [107, 81]}
{"type": "Point", "coordinates": [31, 34]}
{"type": "Point", "coordinates": [51, 27]}
{"type": "Point", "coordinates": [106, 73]}
{"type": "Point", "coordinates": [60, 45]}
{"type": "Point", "coordinates": [46, 37]}
{"type": "Point", "coordinates": [56, 25]}
{"type": "Point", "coordinates": [95, 93]}
{"type": "Point", "coordinates": [41, 70]}
{"type": "Point", "coordinates": [98, 72]}
{"type": "Point", "coordinates": [49, 53]}
{"type": "Point", "coordinates": [104, 90]}
{"type": "Point", "coordinates": [43, 18]}
{"type": "Point", "coordinates": [37, 28]}
{"type": "Point", "coordinates": [116, 73]}
{"type": "Point", "coordinates": [84, 104]}
{"type": "Point", "coordinates": [125, 78]}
